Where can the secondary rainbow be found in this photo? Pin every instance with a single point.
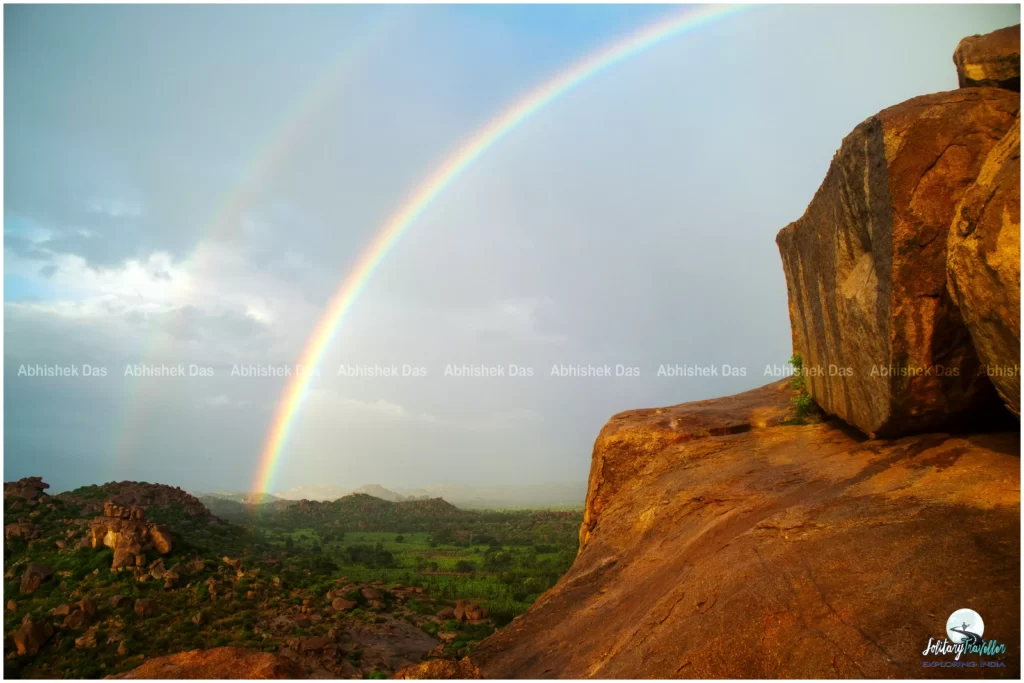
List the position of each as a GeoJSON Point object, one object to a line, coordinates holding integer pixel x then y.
{"type": "Point", "coordinates": [453, 165]}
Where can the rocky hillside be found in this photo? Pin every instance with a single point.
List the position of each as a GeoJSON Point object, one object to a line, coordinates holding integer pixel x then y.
{"type": "Point", "coordinates": [725, 538]}
{"type": "Point", "coordinates": [108, 579]}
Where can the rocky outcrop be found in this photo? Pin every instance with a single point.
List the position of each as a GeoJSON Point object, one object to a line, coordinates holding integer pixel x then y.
{"type": "Point", "coordinates": [29, 489]}
{"type": "Point", "coordinates": [441, 669]}
{"type": "Point", "coordinates": [882, 343]}
{"type": "Point", "coordinates": [990, 60]}
{"type": "Point", "coordinates": [125, 530]}
{"type": "Point", "coordinates": [719, 543]}
{"type": "Point", "coordinates": [221, 662]}
{"type": "Point", "coordinates": [984, 265]}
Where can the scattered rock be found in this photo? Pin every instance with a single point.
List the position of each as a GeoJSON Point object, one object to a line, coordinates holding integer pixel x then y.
{"type": "Point", "coordinates": [145, 608]}
{"type": "Point", "coordinates": [62, 610]}
{"type": "Point", "coordinates": [984, 265]}
{"type": "Point", "coordinates": [119, 600]}
{"type": "Point", "coordinates": [371, 594]}
{"type": "Point", "coordinates": [88, 640]}
{"type": "Point", "coordinates": [26, 531]}
{"type": "Point", "coordinates": [441, 669]}
{"type": "Point", "coordinates": [343, 605]}
{"type": "Point", "coordinates": [990, 60]}
{"type": "Point", "coordinates": [11, 605]}
{"type": "Point", "coordinates": [34, 576]}
{"type": "Point", "coordinates": [75, 619]}
{"type": "Point", "coordinates": [32, 635]}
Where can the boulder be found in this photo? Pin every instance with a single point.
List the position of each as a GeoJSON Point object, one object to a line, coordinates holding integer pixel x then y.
{"type": "Point", "coordinates": [343, 605]}
{"type": "Point", "coordinates": [160, 535]}
{"type": "Point", "coordinates": [34, 576]}
{"type": "Point", "coordinates": [157, 569]}
{"type": "Point", "coordinates": [31, 635]}
{"type": "Point", "coordinates": [23, 530]}
{"type": "Point", "coordinates": [11, 605]}
{"type": "Point", "coordinates": [221, 662]}
{"type": "Point", "coordinates": [119, 601]}
{"type": "Point", "coordinates": [145, 608]}
{"type": "Point", "coordinates": [371, 594]}
{"type": "Point", "coordinates": [983, 265]}
{"type": "Point", "coordinates": [87, 641]}
{"type": "Point", "coordinates": [62, 610]}
{"type": "Point", "coordinates": [990, 60]}
{"type": "Point", "coordinates": [87, 606]}
{"type": "Point", "coordinates": [883, 346]}
{"type": "Point", "coordinates": [775, 551]}
{"type": "Point", "coordinates": [75, 619]}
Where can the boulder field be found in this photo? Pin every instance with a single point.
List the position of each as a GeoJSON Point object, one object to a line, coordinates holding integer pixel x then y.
{"type": "Point", "coordinates": [733, 538]}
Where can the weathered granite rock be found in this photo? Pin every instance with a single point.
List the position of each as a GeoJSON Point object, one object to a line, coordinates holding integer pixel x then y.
{"type": "Point", "coordinates": [441, 669]}
{"type": "Point", "coordinates": [990, 60]}
{"type": "Point", "coordinates": [221, 662]}
{"type": "Point", "coordinates": [719, 546]}
{"type": "Point", "coordinates": [984, 265]}
{"type": "Point", "coordinates": [882, 343]}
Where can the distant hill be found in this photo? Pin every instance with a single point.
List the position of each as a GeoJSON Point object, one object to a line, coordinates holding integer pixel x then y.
{"type": "Point", "coordinates": [247, 497]}
{"type": "Point", "coordinates": [362, 512]}
{"type": "Point", "coordinates": [475, 496]}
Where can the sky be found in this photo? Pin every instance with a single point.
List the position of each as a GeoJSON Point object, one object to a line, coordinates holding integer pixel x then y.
{"type": "Point", "coordinates": [188, 185]}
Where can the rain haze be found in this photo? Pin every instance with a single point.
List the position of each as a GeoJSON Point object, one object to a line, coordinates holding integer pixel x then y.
{"type": "Point", "coordinates": [189, 185]}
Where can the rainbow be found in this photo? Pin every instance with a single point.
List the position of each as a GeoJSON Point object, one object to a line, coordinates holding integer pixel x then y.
{"type": "Point", "coordinates": [222, 224]}
{"type": "Point", "coordinates": [440, 179]}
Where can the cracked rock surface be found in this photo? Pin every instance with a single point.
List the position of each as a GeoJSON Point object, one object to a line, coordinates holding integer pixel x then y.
{"type": "Point", "coordinates": [721, 543]}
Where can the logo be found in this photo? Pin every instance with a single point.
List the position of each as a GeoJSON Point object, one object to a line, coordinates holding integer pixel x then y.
{"type": "Point", "coordinates": [965, 625]}
{"type": "Point", "coordinates": [964, 631]}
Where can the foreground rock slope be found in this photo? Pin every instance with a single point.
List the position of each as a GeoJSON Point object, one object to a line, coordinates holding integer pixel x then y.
{"type": "Point", "coordinates": [719, 543]}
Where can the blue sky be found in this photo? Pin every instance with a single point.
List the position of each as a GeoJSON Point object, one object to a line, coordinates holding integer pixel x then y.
{"type": "Point", "coordinates": [630, 222]}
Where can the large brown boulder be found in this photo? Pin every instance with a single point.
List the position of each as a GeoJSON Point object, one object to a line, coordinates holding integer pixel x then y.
{"type": "Point", "coordinates": [720, 546]}
{"type": "Point", "coordinates": [221, 662]}
{"type": "Point", "coordinates": [984, 265]}
{"type": "Point", "coordinates": [990, 60]}
{"type": "Point", "coordinates": [31, 635]}
{"type": "Point", "coordinates": [34, 576]}
{"type": "Point", "coordinates": [882, 343]}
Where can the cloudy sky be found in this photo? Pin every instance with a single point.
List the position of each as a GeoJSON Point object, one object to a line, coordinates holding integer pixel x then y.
{"type": "Point", "coordinates": [190, 184]}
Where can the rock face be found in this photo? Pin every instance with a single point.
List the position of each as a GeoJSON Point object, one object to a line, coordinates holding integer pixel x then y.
{"type": "Point", "coordinates": [984, 265]}
{"type": "Point", "coordinates": [221, 662]}
{"type": "Point", "coordinates": [882, 343]}
{"type": "Point", "coordinates": [990, 60]}
{"type": "Point", "coordinates": [719, 545]}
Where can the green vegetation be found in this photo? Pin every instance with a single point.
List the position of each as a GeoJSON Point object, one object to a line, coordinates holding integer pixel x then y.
{"type": "Point", "coordinates": [805, 410]}
{"type": "Point", "coordinates": [284, 561]}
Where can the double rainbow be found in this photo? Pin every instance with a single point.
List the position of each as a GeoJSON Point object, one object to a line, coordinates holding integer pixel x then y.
{"type": "Point", "coordinates": [443, 176]}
